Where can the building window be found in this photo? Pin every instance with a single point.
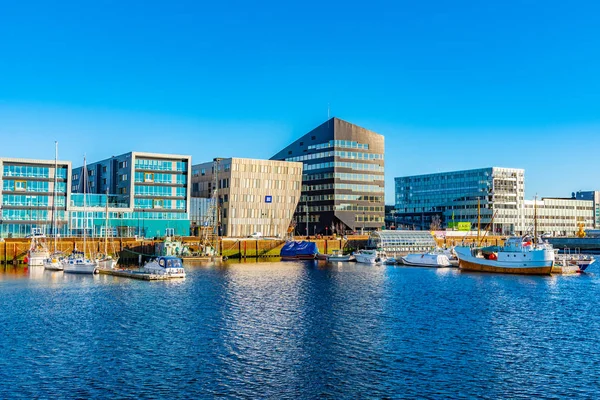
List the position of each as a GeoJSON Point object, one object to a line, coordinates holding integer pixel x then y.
{"type": "Point", "coordinates": [158, 203]}
{"type": "Point", "coordinates": [20, 186]}
{"type": "Point", "coordinates": [148, 177]}
{"type": "Point", "coordinates": [203, 171]}
{"type": "Point", "coordinates": [123, 177]}
{"type": "Point", "coordinates": [123, 164]}
{"type": "Point", "coordinates": [104, 169]}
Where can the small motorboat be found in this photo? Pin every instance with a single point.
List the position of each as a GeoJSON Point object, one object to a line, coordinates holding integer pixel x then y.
{"type": "Point", "coordinates": [337, 256]}
{"type": "Point", "coordinates": [165, 265]}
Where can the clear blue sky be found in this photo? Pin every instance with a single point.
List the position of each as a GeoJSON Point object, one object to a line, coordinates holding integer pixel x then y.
{"type": "Point", "coordinates": [450, 84]}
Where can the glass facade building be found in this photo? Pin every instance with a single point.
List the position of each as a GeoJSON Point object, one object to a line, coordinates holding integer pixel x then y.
{"type": "Point", "coordinates": [343, 178]}
{"type": "Point", "coordinates": [148, 194]}
{"type": "Point", "coordinates": [440, 200]}
{"type": "Point", "coordinates": [595, 197]}
{"type": "Point", "coordinates": [27, 196]}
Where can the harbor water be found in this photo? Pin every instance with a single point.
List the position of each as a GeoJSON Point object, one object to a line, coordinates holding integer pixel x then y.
{"type": "Point", "coordinates": [300, 330]}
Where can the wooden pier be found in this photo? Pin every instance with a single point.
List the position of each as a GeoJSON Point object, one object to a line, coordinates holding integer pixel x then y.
{"type": "Point", "coordinates": [133, 274]}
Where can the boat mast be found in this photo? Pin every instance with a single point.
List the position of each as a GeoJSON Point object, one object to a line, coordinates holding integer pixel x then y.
{"type": "Point", "coordinates": [84, 177]}
{"type": "Point", "coordinates": [106, 225]}
{"type": "Point", "coordinates": [53, 222]}
{"type": "Point", "coordinates": [478, 219]}
{"type": "Point", "coordinates": [534, 219]}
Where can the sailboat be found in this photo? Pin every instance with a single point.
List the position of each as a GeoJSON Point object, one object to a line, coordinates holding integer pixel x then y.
{"type": "Point", "coordinates": [53, 261]}
{"type": "Point", "coordinates": [77, 262]}
{"type": "Point", "coordinates": [105, 260]}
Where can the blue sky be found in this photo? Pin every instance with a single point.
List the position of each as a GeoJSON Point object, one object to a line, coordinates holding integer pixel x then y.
{"type": "Point", "coordinates": [451, 85]}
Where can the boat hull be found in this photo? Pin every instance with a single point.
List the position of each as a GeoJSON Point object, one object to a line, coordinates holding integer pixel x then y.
{"type": "Point", "coordinates": [341, 258]}
{"type": "Point", "coordinates": [473, 266]}
{"type": "Point", "coordinates": [37, 259]}
{"type": "Point", "coordinates": [426, 260]}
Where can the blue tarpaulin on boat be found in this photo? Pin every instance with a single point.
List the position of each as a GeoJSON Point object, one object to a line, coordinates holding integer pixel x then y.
{"type": "Point", "coordinates": [299, 249]}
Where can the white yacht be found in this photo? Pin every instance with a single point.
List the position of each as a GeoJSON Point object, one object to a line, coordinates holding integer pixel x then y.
{"type": "Point", "coordinates": [426, 260]}
{"type": "Point", "coordinates": [165, 265]}
{"type": "Point", "coordinates": [77, 263]}
{"type": "Point", "coordinates": [370, 256]}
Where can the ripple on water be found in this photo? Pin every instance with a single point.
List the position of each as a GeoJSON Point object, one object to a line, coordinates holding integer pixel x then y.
{"type": "Point", "coordinates": [289, 330]}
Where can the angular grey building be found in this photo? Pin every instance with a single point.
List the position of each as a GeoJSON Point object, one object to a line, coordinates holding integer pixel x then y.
{"type": "Point", "coordinates": [342, 181]}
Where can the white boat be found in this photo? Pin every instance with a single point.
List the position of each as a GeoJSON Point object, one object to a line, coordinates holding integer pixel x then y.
{"type": "Point", "coordinates": [165, 265]}
{"type": "Point", "coordinates": [53, 261]}
{"type": "Point", "coordinates": [370, 256]}
{"type": "Point", "coordinates": [517, 256]}
{"type": "Point", "coordinates": [426, 260]}
{"type": "Point", "coordinates": [38, 251]}
{"type": "Point", "coordinates": [337, 256]}
{"type": "Point", "coordinates": [77, 262]}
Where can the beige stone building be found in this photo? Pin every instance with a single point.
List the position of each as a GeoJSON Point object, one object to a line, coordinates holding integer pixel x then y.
{"type": "Point", "coordinates": [254, 195]}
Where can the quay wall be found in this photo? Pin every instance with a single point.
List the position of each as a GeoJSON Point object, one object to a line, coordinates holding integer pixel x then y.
{"type": "Point", "coordinates": [13, 251]}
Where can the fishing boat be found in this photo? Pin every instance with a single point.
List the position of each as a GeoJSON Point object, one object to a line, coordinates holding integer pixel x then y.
{"type": "Point", "coordinates": [338, 256]}
{"type": "Point", "coordinates": [426, 260]}
{"type": "Point", "coordinates": [517, 256]}
{"type": "Point", "coordinates": [165, 266]}
{"type": "Point", "coordinates": [365, 256]}
{"type": "Point", "coordinates": [77, 262]}
{"type": "Point", "coordinates": [38, 250]}
{"type": "Point", "coordinates": [53, 261]}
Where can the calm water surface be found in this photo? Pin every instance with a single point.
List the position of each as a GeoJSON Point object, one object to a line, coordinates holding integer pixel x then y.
{"type": "Point", "coordinates": [310, 330]}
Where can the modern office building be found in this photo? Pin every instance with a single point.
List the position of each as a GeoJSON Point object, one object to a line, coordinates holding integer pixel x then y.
{"type": "Point", "coordinates": [148, 195]}
{"type": "Point", "coordinates": [343, 178]}
{"type": "Point", "coordinates": [451, 197]}
{"type": "Point", "coordinates": [254, 195]}
{"type": "Point", "coordinates": [27, 196]}
{"type": "Point", "coordinates": [558, 216]}
{"type": "Point", "coordinates": [595, 197]}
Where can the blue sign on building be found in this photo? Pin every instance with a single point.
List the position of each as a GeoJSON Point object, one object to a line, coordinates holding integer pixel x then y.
{"type": "Point", "coordinates": [268, 199]}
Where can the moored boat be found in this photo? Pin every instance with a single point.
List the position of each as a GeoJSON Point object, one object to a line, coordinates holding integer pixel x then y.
{"type": "Point", "coordinates": [38, 251]}
{"type": "Point", "coordinates": [299, 251]}
{"type": "Point", "coordinates": [165, 265]}
{"type": "Point", "coordinates": [517, 256]}
{"type": "Point", "coordinates": [370, 256]}
{"type": "Point", "coordinates": [77, 263]}
{"type": "Point", "coordinates": [337, 256]}
{"type": "Point", "coordinates": [426, 260]}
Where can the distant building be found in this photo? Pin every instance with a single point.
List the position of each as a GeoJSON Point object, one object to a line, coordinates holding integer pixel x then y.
{"type": "Point", "coordinates": [148, 194]}
{"type": "Point", "coordinates": [254, 195]}
{"type": "Point", "coordinates": [448, 198]}
{"type": "Point", "coordinates": [558, 216]}
{"type": "Point", "coordinates": [595, 197]}
{"type": "Point", "coordinates": [343, 178]}
{"type": "Point", "coordinates": [26, 196]}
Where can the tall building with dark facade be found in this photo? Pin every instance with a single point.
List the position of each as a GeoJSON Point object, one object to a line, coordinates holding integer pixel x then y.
{"type": "Point", "coordinates": [342, 180]}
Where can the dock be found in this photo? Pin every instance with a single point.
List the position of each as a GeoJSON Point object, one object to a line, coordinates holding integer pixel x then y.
{"type": "Point", "coordinates": [133, 274]}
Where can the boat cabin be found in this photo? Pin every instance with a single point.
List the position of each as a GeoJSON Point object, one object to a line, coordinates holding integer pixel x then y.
{"type": "Point", "coordinates": [169, 262]}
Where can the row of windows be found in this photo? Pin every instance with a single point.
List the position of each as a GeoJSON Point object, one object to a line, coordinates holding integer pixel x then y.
{"type": "Point", "coordinates": [160, 165]}
{"type": "Point", "coordinates": [116, 217]}
{"type": "Point", "coordinates": [340, 143]}
{"type": "Point", "coordinates": [354, 166]}
{"type": "Point", "coordinates": [367, 218]}
{"type": "Point", "coordinates": [32, 186]}
{"type": "Point", "coordinates": [343, 176]}
{"type": "Point", "coordinates": [355, 207]}
{"type": "Point", "coordinates": [267, 169]}
{"type": "Point", "coordinates": [160, 178]}
{"type": "Point", "coordinates": [341, 154]}
{"type": "Point", "coordinates": [36, 201]}
{"type": "Point", "coordinates": [165, 191]}
{"type": "Point", "coordinates": [160, 203]}
{"type": "Point", "coordinates": [342, 197]}
{"type": "Point", "coordinates": [254, 213]}
{"type": "Point", "coordinates": [33, 172]}
{"type": "Point", "coordinates": [255, 198]}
